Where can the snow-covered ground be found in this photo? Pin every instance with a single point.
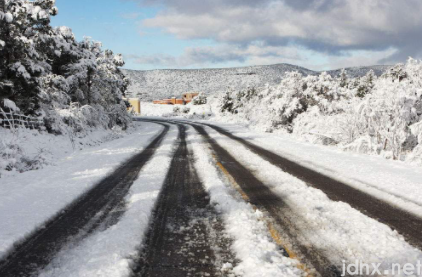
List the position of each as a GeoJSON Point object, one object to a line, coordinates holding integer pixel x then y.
{"type": "Point", "coordinates": [259, 255]}
{"type": "Point", "coordinates": [23, 149]}
{"type": "Point", "coordinates": [29, 199]}
{"type": "Point", "coordinates": [334, 228]}
{"type": "Point", "coordinates": [111, 252]}
{"type": "Point", "coordinates": [396, 182]}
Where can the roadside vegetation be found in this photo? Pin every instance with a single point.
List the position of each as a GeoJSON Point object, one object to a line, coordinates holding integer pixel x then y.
{"type": "Point", "coordinates": [72, 87]}
{"type": "Point", "coordinates": [369, 114]}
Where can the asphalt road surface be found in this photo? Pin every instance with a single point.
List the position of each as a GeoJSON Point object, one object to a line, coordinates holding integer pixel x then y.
{"type": "Point", "coordinates": [186, 235]}
{"type": "Point", "coordinates": [407, 224]}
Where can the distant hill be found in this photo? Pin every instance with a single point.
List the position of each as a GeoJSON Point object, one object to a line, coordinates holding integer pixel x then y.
{"type": "Point", "coordinates": [165, 83]}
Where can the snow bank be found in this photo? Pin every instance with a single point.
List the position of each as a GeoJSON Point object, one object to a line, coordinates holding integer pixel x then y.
{"type": "Point", "coordinates": [22, 149]}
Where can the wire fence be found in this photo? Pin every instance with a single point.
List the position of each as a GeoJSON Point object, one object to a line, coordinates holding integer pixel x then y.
{"type": "Point", "coordinates": [12, 120]}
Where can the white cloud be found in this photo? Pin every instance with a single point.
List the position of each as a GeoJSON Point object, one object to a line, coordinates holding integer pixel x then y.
{"type": "Point", "coordinates": [329, 27]}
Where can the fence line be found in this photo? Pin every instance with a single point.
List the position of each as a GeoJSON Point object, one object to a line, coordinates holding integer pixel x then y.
{"type": "Point", "coordinates": [11, 120]}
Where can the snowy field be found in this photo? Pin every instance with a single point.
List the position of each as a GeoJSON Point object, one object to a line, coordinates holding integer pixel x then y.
{"type": "Point", "coordinates": [29, 199]}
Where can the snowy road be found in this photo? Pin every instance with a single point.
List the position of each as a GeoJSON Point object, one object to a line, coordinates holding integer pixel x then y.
{"type": "Point", "coordinates": [186, 235]}
{"type": "Point", "coordinates": [262, 195]}
{"type": "Point", "coordinates": [98, 207]}
{"type": "Point", "coordinates": [407, 224]}
{"type": "Point", "coordinates": [199, 200]}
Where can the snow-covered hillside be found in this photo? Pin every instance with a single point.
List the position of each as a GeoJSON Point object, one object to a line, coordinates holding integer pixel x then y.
{"type": "Point", "coordinates": [157, 84]}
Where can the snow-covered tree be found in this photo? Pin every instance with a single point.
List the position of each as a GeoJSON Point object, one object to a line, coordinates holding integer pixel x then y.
{"type": "Point", "coordinates": [366, 84]}
{"type": "Point", "coordinates": [21, 64]}
{"type": "Point", "coordinates": [44, 70]}
{"type": "Point", "coordinates": [343, 78]}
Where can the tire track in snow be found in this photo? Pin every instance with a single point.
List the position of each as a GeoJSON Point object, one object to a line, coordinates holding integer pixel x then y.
{"type": "Point", "coordinates": [186, 235]}
{"type": "Point", "coordinates": [90, 211]}
{"type": "Point", "coordinates": [407, 224]}
{"type": "Point", "coordinates": [264, 199]}
{"type": "Point", "coordinates": [259, 195]}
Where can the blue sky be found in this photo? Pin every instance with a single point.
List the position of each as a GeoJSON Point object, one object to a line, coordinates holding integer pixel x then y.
{"type": "Point", "coordinates": [117, 24]}
{"type": "Point", "coordinates": [317, 34]}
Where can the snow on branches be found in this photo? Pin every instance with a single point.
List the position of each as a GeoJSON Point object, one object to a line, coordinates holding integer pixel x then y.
{"type": "Point", "coordinates": [45, 70]}
{"type": "Point", "coordinates": [369, 114]}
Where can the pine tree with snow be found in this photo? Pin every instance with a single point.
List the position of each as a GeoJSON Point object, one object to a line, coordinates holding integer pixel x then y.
{"type": "Point", "coordinates": [22, 65]}
{"type": "Point", "coordinates": [343, 78]}
{"type": "Point", "coordinates": [366, 84]}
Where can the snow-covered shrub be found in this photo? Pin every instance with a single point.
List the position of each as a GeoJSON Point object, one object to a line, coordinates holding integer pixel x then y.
{"type": "Point", "coordinates": [185, 110]}
{"type": "Point", "coordinates": [366, 84]}
{"type": "Point", "coordinates": [375, 115]}
{"type": "Point", "coordinates": [176, 109]}
{"type": "Point", "coordinates": [227, 103]}
{"type": "Point", "coordinates": [393, 110]}
{"type": "Point", "coordinates": [200, 99]}
{"type": "Point", "coordinates": [12, 155]}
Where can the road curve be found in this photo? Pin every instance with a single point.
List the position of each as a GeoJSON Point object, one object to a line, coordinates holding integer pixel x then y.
{"type": "Point", "coordinates": [78, 219]}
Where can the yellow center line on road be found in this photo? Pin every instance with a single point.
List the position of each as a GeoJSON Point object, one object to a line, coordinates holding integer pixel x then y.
{"type": "Point", "coordinates": [272, 230]}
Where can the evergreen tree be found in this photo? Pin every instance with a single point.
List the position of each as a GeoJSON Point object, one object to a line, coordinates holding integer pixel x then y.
{"type": "Point", "coordinates": [343, 78]}
{"type": "Point", "coordinates": [366, 84]}
{"type": "Point", "coordinates": [22, 64]}
{"type": "Point", "coordinates": [44, 70]}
